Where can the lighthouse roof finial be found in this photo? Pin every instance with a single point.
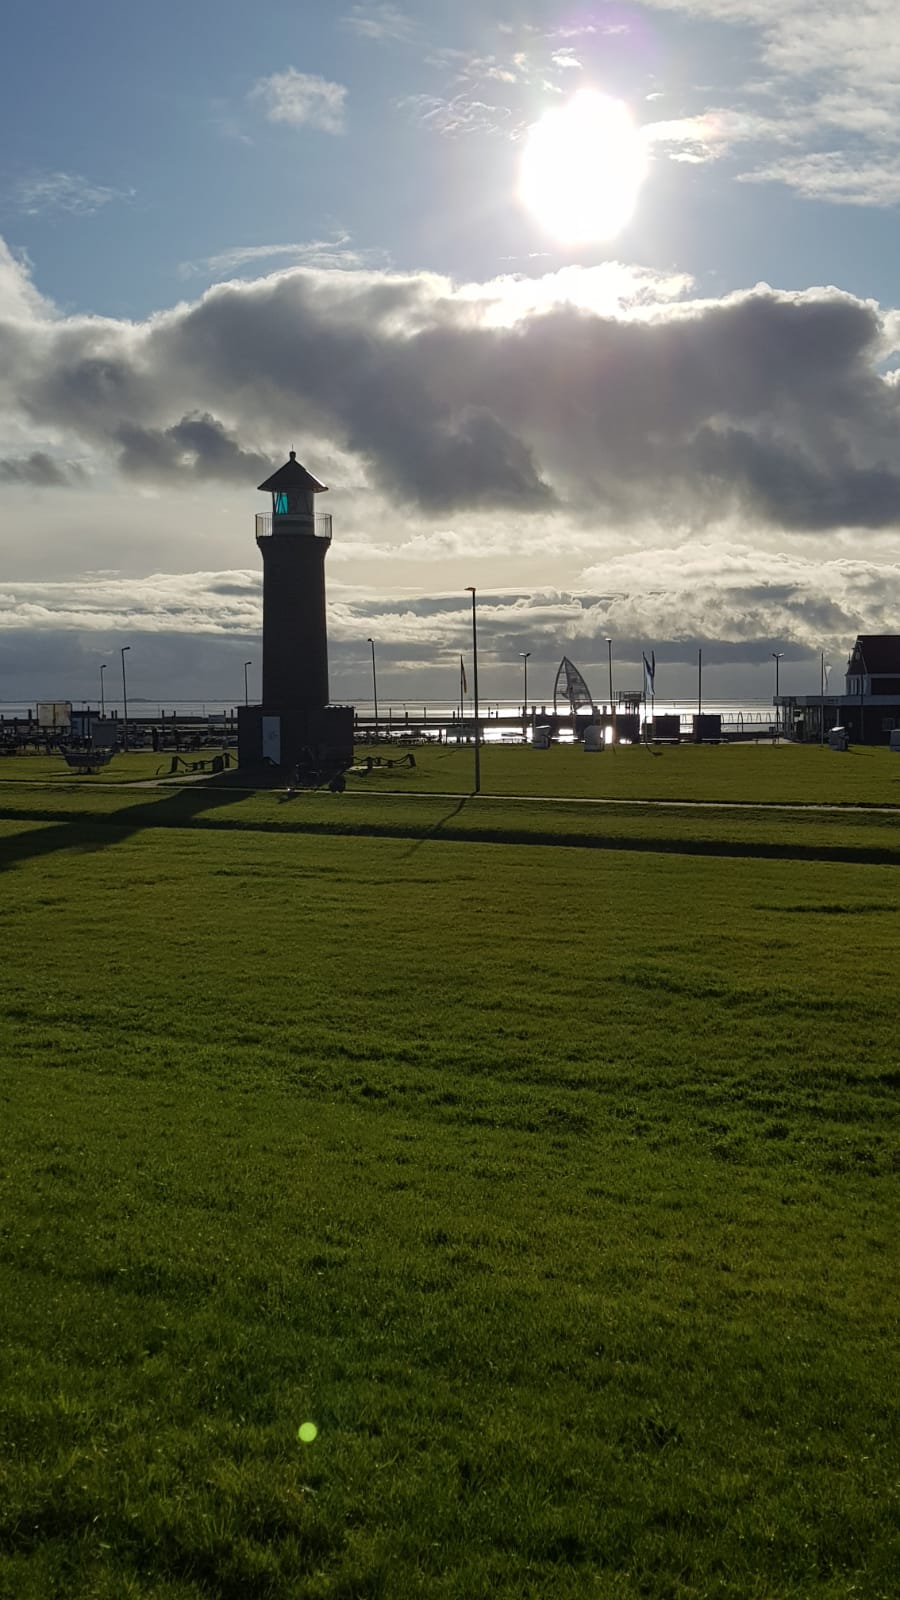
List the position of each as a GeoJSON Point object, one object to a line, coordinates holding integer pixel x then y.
{"type": "Point", "coordinates": [293, 476]}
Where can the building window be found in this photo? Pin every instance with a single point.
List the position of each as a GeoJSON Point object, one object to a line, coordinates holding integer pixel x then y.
{"type": "Point", "coordinates": [281, 504]}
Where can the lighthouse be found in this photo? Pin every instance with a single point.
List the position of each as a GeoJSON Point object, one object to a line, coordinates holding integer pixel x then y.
{"type": "Point", "coordinates": [295, 723]}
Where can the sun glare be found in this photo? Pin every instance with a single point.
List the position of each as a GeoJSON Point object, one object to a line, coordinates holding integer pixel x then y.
{"type": "Point", "coordinates": [583, 167]}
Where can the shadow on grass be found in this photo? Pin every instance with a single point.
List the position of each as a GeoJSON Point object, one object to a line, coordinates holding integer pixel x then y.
{"type": "Point", "coordinates": [437, 827]}
{"type": "Point", "coordinates": [90, 832]}
{"type": "Point", "coordinates": [191, 809]}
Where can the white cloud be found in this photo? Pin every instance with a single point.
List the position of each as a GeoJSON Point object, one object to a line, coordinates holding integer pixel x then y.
{"type": "Point", "coordinates": [302, 99]}
{"type": "Point", "coordinates": [195, 602]}
{"type": "Point", "coordinates": [64, 191]}
{"type": "Point", "coordinates": [323, 253]}
{"type": "Point", "coordinates": [612, 288]}
{"type": "Point", "coordinates": [737, 599]}
{"type": "Point", "coordinates": [710, 135]}
{"type": "Point", "coordinates": [831, 67]}
{"type": "Point", "coordinates": [459, 115]}
{"type": "Point", "coordinates": [378, 21]}
{"type": "Point", "coordinates": [835, 176]}
{"type": "Point", "coordinates": [20, 301]}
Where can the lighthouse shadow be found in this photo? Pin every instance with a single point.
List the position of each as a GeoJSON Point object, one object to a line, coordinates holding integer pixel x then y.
{"type": "Point", "coordinates": [90, 831]}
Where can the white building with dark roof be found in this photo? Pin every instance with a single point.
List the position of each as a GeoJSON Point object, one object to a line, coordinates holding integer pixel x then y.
{"type": "Point", "coordinates": [869, 707]}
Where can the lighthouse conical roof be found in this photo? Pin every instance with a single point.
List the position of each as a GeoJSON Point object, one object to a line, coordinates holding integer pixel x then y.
{"type": "Point", "coordinates": [293, 476]}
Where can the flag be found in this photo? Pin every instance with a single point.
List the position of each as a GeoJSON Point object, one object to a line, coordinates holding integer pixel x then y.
{"type": "Point", "coordinates": [462, 676]}
{"type": "Point", "coordinates": [649, 674]}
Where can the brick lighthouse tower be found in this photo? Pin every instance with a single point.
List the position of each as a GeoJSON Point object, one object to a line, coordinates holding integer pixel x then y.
{"type": "Point", "coordinates": [295, 723]}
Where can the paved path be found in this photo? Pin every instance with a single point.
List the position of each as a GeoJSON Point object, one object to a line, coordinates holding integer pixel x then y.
{"type": "Point", "coordinates": [621, 800]}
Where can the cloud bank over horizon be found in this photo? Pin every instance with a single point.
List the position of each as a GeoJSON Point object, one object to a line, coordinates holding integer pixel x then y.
{"type": "Point", "coordinates": [199, 627]}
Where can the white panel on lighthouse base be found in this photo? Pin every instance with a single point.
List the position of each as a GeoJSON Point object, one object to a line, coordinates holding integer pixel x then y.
{"type": "Point", "coordinates": [271, 739]}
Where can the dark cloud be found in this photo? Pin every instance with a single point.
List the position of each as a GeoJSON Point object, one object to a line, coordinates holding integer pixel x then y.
{"type": "Point", "coordinates": [766, 402]}
{"type": "Point", "coordinates": [196, 447]}
{"type": "Point", "coordinates": [41, 470]}
{"type": "Point", "coordinates": [785, 485]}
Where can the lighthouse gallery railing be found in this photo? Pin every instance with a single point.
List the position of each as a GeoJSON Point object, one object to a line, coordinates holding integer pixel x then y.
{"type": "Point", "coordinates": [322, 527]}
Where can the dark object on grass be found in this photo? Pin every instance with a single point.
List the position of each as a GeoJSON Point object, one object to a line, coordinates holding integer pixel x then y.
{"type": "Point", "coordinates": [87, 760]}
{"type": "Point", "coordinates": [311, 772]}
{"type": "Point", "coordinates": [408, 760]}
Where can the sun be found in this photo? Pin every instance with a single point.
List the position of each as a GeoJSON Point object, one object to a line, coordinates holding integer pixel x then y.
{"type": "Point", "coordinates": [582, 168]}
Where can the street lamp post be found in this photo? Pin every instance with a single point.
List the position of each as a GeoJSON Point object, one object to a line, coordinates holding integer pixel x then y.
{"type": "Point", "coordinates": [247, 664]}
{"type": "Point", "coordinates": [611, 707]}
{"type": "Point", "coordinates": [470, 589]}
{"type": "Point", "coordinates": [125, 692]}
{"type": "Point", "coordinates": [374, 686]}
{"type": "Point", "coordinates": [102, 696]}
{"type": "Point", "coordinates": [525, 654]}
{"type": "Point", "coordinates": [777, 657]}
{"type": "Point", "coordinates": [822, 697]}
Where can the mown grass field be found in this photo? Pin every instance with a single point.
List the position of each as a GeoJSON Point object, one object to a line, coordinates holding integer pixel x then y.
{"type": "Point", "coordinates": [754, 774]}
{"type": "Point", "coordinates": [734, 774]}
{"type": "Point", "coordinates": [556, 1184]}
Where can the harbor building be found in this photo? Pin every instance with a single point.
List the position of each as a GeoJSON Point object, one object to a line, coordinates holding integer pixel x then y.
{"type": "Point", "coordinates": [869, 707]}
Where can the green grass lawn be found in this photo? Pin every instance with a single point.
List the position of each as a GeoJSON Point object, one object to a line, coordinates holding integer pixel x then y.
{"type": "Point", "coordinates": [132, 766]}
{"type": "Point", "coordinates": [557, 1186]}
{"type": "Point", "coordinates": [744, 774]}
{"type": "Point", "coordinates": [804, 774]}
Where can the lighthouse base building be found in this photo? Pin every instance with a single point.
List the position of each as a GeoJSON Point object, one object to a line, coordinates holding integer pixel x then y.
{"type": "Point", "coordinates": [278, 736]}
{"type": "Point", "coordinates": [294, 727]}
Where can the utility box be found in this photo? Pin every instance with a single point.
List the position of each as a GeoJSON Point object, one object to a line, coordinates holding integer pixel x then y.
{"type": "Point", "coordinates": [540, 739]}
{"type": "Point", "coordinates": [895, 740]}
{"type": "Point", "coordinates": [593, 737]}
{"type": "Point", "coordinates": [839, 739]}
{"type": "Point", "coordinates": [628, 727]}
{"type": "Point", "coordinates": [707, 725]}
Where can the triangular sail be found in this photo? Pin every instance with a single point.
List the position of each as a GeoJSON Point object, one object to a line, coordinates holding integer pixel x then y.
{"type": "Point", "coordinates": [570, 686]}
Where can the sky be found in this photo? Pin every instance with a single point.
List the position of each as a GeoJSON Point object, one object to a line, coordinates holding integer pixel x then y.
{"type": "Point", "coordinates": [592, 306]}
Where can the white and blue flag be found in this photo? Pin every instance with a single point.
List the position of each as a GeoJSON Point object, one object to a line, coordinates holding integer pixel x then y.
{"type": "Point", "coordinates": [649, 674]}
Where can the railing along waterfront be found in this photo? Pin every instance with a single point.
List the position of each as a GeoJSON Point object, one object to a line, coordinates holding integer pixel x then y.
{"type": "Point", "coordinates": [321, 529]}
